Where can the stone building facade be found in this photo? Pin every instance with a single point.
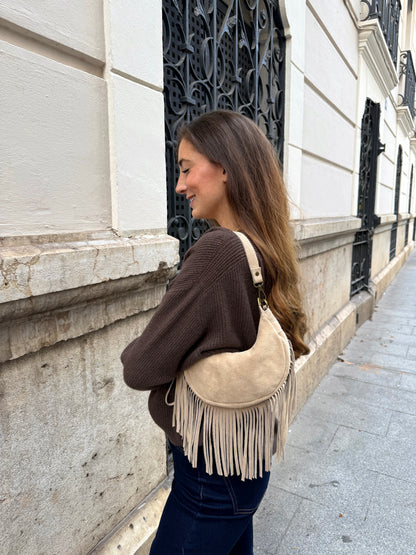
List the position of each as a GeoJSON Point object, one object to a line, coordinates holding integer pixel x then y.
{"type": "Point", "coordinates": [85, 255]}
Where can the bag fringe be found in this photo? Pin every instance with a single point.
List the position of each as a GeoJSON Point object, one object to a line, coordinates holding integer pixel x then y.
{"type": "Point", "coordinates": [238, 441]}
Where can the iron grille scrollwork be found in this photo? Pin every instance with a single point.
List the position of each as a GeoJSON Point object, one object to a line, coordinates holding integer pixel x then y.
{"type": "Point", "coordinates": [219, 54]}
{"type": "Point", "coordinates": [408, 71]}
{"type": "Point", "coordinates": [388, 14]}
{"type": "Point", "coordinates": [393, 234]}
{"type": "Point", "coordinates": [363, 240]}
{"type": "Point", "coordinates": [406, 240]}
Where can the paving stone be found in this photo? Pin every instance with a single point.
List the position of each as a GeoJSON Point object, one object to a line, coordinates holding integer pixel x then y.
{"type": "Point", "coordinates": [408, 381]}
{"type": "Point", "coordinates": [366, 373]}
{"type": "Point", "coordinates": [380, 329]}
{"type": "Point", "coordinates": [364, 451]}
{"type": "Point", "coordinates": [411, 353]}
{"type": "Point", "coordinates": [398, 338]}
{"type": "Point", "coordinates": [320, 530]}
{"type": "Point", "coordinates": [389, 526]}
{"type": "Point", "coordinates": [324, 479]}
{"type": "Point", "coordinates": [369, 334]}
{"type": "Point", "coordinates": [383, 360]}
{"type": "Point", "coordinates": [383, 345]}
{"type": "Point", "coordinates": [390, 321]}
{"type": "Point", "coordinates": [349, 412]}
{"type": "Point", "coordinates": [272, 519]}
{"type": "Point", "coordinates": [311, 434]}
{"type": "Point", "coordinates": [368, 395]}
{"type": "Point", "coordinates": [402, 426]}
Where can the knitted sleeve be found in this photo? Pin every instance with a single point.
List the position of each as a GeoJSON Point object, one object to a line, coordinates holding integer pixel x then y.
{"type": "Point", "coordinates": [209, 307]}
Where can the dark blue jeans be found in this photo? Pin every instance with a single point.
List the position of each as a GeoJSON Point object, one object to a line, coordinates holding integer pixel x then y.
{"type": "Point", "coordinates": [207, 514]}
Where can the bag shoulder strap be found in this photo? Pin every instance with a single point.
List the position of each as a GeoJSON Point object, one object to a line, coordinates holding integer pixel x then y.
{"type": "Point", "coordinates": [252, 259]}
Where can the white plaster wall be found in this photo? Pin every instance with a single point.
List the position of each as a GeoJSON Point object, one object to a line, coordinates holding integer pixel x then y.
{"type": "Point", "coordinates": [328, 146]}
{"type": "Point", "coordinates": [135, 81]}
{"type": "Point", "coordinates": [340, 26]}
{"type": "Point", "coordinates": [140, 156]}
{"type": "Point", "coordinates": [326, 189]}
{"type": "Point", "coordinates": [293, 17]}
{"type": "Point", "coordinates": [390, 115]}
{"type": "Point", "coordinates": [136, 39]}
{"type": "Point", "coordinates": [386, 166]}
{"type": "Point", "coordinates": [404, 182]}
{"type": "Point", "coordinates": [328, 141]}
{"type": "Point", "coordinates": [77, 25]}
{"type": "Point", "coordinates": [383, 200]}
{"type": "Point", "coordinates": [369, 87]}
{"type": "Point", "coordinates": [340, 87]}
{"type": "Point", "coordinates": [327, 133]}
{"type": "Point", "coordinates": [54, 174]}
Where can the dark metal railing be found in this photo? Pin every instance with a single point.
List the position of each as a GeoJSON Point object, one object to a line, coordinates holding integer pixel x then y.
{"type": "Point", "coordinates": [407, 68]}
{"type": "Point", "coordinates": [393, 241]}
{"type": "Point", "coordinates": [406, 239]}
{"type": "Point", "coordinates": [363, 240]}
{"type": "Point", "coordinates": [393, 235]}
{"type": "Point", "coordinates": [388, 14]}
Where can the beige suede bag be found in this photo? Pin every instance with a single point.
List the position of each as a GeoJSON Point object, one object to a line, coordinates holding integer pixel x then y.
{"type": "Point", "coordinates": [241, 402]}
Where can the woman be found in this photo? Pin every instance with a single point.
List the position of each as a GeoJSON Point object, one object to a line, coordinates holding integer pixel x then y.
{"type": "Point", "coordinates": [229, 174]}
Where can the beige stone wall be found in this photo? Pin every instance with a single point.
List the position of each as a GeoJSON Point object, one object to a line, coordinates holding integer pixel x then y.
{"type": "Point", "coordinates": [79, 448]}
{"type": "Point", "coordinates": [326, 250]}
{"type": "Point", "coordinates": [381, 247]}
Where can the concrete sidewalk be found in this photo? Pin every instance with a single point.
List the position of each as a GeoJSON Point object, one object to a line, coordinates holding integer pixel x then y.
{"type": "Point", "coordinates": [348, 481]}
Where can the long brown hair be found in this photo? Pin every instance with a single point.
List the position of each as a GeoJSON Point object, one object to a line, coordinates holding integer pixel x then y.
{"type": "Point", "coordinates": [258, 197]}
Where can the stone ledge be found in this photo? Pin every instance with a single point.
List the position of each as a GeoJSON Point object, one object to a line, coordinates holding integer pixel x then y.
{"type": "Point", "coordinates": [322, 234]}
{"type": "Point", "coordinates": [45, 301]}
{"type": "Point", "coordinates": [405, 119]}
{"type": "Point", "coordinates": [403, 216]}
{"type": "Point", "coordinates": [385, 222]}
{"type": "Point", "coordinates": [30, 333]}
{"type": "Point", "coordinates": [39, 269]}
{"type": "Point", "coordinates": [387, 219]}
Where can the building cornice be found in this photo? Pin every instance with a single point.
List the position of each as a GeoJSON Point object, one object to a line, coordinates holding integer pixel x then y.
{"type": "Point", "coordinates": [373, 49]}
{"type": "Point", "coordinates": [405, 120]}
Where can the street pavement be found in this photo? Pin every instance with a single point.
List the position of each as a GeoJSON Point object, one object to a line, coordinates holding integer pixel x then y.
{"type": "Point", "coordinates": [348, 481]}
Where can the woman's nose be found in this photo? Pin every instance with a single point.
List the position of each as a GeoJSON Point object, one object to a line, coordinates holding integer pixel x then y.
{"type": "Point", "coordinates": [180, 187]}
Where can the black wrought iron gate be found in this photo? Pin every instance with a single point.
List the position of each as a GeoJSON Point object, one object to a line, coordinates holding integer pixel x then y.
{"type": "Point", "coordinates": [219, 54]}
{"type": "Point", "coordinates": [409, 207]}
{"type": "Point", "coordinates": [393, 234]}
{"type": "Point", "coordinates": [363, 241]}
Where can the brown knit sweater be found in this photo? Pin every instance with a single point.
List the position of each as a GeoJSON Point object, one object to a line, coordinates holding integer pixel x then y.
{"type": "Point", "coordinates": [210, 307]}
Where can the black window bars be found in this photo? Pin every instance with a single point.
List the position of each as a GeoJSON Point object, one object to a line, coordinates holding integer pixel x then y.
{"type": "Point", "coordinates": [388, 14]}
{"type": "Point", "coordinates": [407, 69]}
